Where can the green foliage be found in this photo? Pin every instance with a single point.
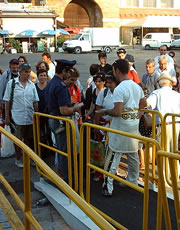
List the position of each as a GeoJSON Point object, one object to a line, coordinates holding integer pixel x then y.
{"type": "Point", "coordinates": [60, 41]}
{"type": "Point", "coordinates": [14, 43]}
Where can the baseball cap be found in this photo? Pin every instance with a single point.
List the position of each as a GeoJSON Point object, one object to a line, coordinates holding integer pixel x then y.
{"type": "Point", "coordinates": [129, 58]}
{"type": "Point", "coordinates": [14, 61]}
{"type": "Point", "coordinates": [121, 50]}
{"type": "Point", "coordinates": [24, 66]}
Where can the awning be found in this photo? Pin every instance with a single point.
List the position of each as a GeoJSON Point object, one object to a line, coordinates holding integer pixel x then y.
{"type": "Point", "coordinates": [153, 22]}
{"type": "Point", "coordinates": [4, 32]}
{"type": "Point", "coordinates": [61, 31]}
{"type": "Point", "coordinates": [28, 33]}
{"type": "Point", "coordinates": [48, 32]}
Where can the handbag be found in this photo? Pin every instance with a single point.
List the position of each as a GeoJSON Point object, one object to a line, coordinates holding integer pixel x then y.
{"type": "Point", "coordinates": [147, 121]}
{"type": "Point", "coordinates": [7, 146]}
{"type": "Point", "coordinates": [97, 153]}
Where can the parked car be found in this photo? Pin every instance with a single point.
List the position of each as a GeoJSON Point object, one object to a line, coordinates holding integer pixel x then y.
{"type": "Point", "coordinates": [155, 40]}
{"type": "Point", "coordinates": [176, 40]}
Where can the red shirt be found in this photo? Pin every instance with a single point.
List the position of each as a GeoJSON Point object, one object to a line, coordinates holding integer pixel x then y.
{"type": "Point", "coordinates": [75, 93]}
{"type": "Point", "coordinates": [133, 76]}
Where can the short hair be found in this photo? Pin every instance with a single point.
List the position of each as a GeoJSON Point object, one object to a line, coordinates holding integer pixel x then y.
{"type": "Point", "coordinates": [162, 81]}
{"type": "Point", "coordinates": [24, 58]}
{"type": "Point", "coordinates": [121, 50]}
{"type": "Point", "coordinates": [74, 72]}
{"type": "Point", "coordinates": [110, 76]}
{"type": "Point", "coordinates": [162, 57]}
{"type": "Point", "coordinates": [39, 63]}
{"type": "Point", "coordinates": [47, 54]}
{"type": "Point", "coordinates": [102, 54]}
{"type": "Point", "coordinates": [42, 71]}
{"type": "Point", "coordinates": [94, 68]}
{"type": "Point", "coordinates": [150, 61]}
{"type": "Point", "coordinates": [99, 75]}
{"type": "Point", "coordinates": [24, 66]}
{"type": "Point", "coordinates": [122, 65]}
{"type": "Point", "coordinates": [162, 46]}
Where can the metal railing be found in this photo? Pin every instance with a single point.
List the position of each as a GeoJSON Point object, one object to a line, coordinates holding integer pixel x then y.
{"type": "Point", "coordinates": [147, 141]}
{"type": "Point", "coordinates": [26, 205]}
{"type": "Point", "coordinates": [162, 197]}
{"type": "Point", "coordinates": [70, 132]}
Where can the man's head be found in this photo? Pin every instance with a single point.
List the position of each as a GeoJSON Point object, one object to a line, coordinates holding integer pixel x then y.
{"type": "Point", "coordinates": [163, 49]}
{"type": "Point", "coordinates": [130, 59]}
{"type": "Point", "coordinates": [14, 66]}
{"type": "Point", "coordinates": [150, 66]}
{"type": "Point", "coordinates": [71, 80]}
{"type": "Point", "coordinates": [25, 70]}
{"type": "Point", "coordinates": [165, 80]}
{"type": "Point", "coordinates": [64, 68]}
{"type": "Point", "coordinates": [121, 53]}
{"type": "Point", "coordinates": [102, 58]}
{"type": "Point", "coordinates": [163, 61]}
{"type": "Point", "coordinates": [120, 68]}
{"type": "Point", "coordinates": [46, 57]}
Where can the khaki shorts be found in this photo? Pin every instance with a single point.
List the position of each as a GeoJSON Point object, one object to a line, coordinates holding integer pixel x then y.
{"type": "Point", "coordinates": [24, 131]}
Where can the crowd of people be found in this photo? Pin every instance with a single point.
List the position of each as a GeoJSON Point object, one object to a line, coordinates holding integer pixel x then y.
{"type": "Point", "coordinates": [112, 97]}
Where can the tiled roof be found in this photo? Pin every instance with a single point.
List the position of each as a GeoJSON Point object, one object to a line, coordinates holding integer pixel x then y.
{"type": "Point", "coordinates": [143, 12]}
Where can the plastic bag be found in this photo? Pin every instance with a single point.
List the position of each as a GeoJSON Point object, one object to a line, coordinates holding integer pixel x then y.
{"type": "Point", "coordinates": [97, 154]}
{"type": "Point", "coordinates": [7, 146]}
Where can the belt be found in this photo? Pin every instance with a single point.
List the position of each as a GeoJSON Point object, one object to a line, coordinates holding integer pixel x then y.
{"type": "Point", "coordinates": [126, 116]}
{"type": "Point", "coordinates": [169, 123]}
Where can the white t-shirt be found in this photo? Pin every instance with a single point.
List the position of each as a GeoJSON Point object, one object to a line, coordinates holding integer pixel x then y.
{"type": "Point", "coordinates": [105, 102]}
{"type": "Point", "coordinates": [129, 93]}
{"type": "Point", "coordinates": [51, 71]}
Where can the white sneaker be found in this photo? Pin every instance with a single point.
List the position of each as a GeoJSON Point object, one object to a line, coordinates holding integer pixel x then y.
{"type": "Point", "coordinates": [19, 164]}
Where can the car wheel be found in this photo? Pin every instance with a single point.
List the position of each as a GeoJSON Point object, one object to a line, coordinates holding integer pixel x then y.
{"type": "Point", "coordinates": [107, 49]}
{"type": "Point", "coordinates": [147, 47]}
{"type": "Point", "coordinates": [77, 50]}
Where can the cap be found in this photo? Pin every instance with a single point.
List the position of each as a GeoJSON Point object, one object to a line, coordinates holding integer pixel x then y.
{"type": "Point", "coordinates": [14, 61]}
{"type": "Point", "coordinates": [129, 58]}
{"type": "Point", "coordinates": [65, 63]}
{"type": "Point", "coordinates": [121, 50]}
{"type": "Point", "coordinates": [165, 76]}
{"type": "Point", "coordinates": [24, 66]}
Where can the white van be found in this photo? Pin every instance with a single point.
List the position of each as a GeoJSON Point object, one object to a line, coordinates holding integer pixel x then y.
{"type": "Point", "coordinates": [155, 40]}
{"type": "Point", "coordinates": [176, 40]}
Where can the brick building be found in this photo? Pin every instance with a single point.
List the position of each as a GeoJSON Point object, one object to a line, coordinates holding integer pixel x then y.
{"type": "Point", "coordinates": [132, 16]}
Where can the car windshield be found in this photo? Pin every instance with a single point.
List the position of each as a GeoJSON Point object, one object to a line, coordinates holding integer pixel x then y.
{"type": "Point", "coordinates": [76, 37]}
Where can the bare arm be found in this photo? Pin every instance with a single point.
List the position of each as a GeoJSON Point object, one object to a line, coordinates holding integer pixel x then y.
{"type": "Point", "coordinates": [97, 116]}
{"type": "Point", "coordinates": [35, 105]}
{"type": "Point", "coordinates": [143, 103]}
{"type": "Point", "coordinates": [7, 113]}
{"type": "Point", "coordinates": [65, 110]}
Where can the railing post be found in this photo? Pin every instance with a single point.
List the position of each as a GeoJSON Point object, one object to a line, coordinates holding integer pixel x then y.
{"type": "Point", "coordinates": [27, 188]}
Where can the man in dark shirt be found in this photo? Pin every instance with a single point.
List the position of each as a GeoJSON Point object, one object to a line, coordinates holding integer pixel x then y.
{"type": "Point", "coordinates": [59, 104]}
{"type": "Point", "coordinates": [104, 66]}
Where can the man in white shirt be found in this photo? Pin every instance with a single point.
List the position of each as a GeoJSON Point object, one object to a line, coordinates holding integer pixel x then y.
{"type": "Point", "coordinates": [165, 100]}
{"type": "Point", "coordinates": [127, 96]}
{"type": "Point", "coordinates": [21, 100]}
{"type": "Point", "coordinates": [163, 68]}
{"type": "Point", "coordinates": [163, 51]}
{"type": "Point", "coordinates": [47, 58]}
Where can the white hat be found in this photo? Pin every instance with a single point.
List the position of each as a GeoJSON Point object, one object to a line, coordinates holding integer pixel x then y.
{"type": "Point", "coordinates": [165, 76]}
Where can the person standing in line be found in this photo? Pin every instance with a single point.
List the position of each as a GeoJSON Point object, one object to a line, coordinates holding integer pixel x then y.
{"type": "Point", "coordinates": [150, 77]}
{"type": "Point", "coordinates": [163, 51]}
{"type": "Point", "coordinates": [163, 68]}
{"type": "Point", "coordinates": [10, 73]}
{"type": "Point", "coordinates": [59, 104]}
{"type": "Point", "coordinates": [165, 100]}
{"type": "Point", "coordinates": [47, 58]}
{"type": "Point", "coordinates": [122, 54]}
{"type": "Point", "coordinates": [128, 96]}
{"type": "Point", "coordinates": [21, 105]}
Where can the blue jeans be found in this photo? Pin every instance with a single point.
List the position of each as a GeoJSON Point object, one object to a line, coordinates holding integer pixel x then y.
{"type": "Point", "coordinates": [61, 143]}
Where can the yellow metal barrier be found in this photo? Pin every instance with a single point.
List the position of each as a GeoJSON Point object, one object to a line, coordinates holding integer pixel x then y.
{"type": "Point", "coordinates": [174, 140]}
{"type": "Point", "coordinates": [26, 206]}
{"type": "Point", "coordinates": [162, 198]}
{"type": "Point", "coordinates": [147, 141]}
{"type": "Point", "coordinates": [70, 129]}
